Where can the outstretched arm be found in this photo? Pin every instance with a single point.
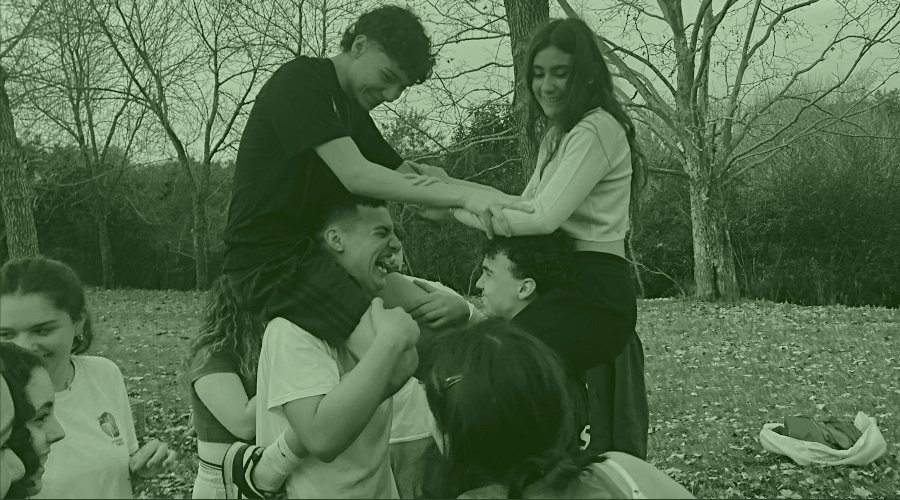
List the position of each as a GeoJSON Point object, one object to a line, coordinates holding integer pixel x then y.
{"type": "Point", "coordinates": [582, 164]}
{"type": "Point", "coordinates": [365, 178]}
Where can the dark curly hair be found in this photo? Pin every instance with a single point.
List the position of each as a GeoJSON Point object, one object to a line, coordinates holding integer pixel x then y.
{"type": "Point", "coordinates": [18, 367]}
{"type": "Point", "coordinates": [545, 258]}
{"type": "Point", "coordinates": [57, 282]}
{"type": "Point", "coordinates": [400, 34]}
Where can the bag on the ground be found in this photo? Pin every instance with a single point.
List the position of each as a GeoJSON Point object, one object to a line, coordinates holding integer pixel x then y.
{"type": "Point", "coordinates": [808, 440]}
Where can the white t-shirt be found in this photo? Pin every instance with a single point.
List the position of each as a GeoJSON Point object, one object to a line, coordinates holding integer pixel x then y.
{"type": "Point", "coordinates": [92, 460]}
{"type": "Point", "coordinates": [293, 364]}
{"type": "Point", "coordinates": [411, 412]}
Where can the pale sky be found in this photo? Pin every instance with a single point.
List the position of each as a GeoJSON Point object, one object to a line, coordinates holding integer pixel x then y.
{"type": "Point", "coordinates": [818, 23]}
{"type": "Point", "coordinates": [816, 28]}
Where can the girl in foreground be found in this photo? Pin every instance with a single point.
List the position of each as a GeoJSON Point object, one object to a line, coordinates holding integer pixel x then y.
{"type": "Point", "coordinates": [42, 309]}
{"type": "Point", "coordinates": [502, 414]}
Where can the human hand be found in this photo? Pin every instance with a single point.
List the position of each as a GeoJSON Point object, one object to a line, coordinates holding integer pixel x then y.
{"type": "Point", "coordinates": [430, 171]}
{"type": "Point", "coordinates": [488, 207]}
{"type": "Point", "coordinates": [395, 326]}
{"type": "Point", "coordinates": [151, 459]}
{"type": "Point", "coordinates": [421, 180]}
{"type": "Point", "coordinates": [190, 432]}
{"type": "Point", "coordinates": [439, 308]}
{"type": "Point", "coordinates": [404, 370]}
{"type": "Point", "coordinates": [429, 212]}
{"type": "Point", "coordinates": [363, 335]}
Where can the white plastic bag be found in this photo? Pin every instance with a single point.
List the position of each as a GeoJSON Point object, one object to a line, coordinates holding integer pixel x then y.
{"type": "Point", "coordinates": [868, 448]}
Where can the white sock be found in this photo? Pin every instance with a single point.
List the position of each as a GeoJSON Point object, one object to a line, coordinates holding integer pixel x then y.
{"type": "Point", "coordinates": [277, 463]}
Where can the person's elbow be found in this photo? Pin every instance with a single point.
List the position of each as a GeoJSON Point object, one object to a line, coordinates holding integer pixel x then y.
{"type": "Point", "coordinates": [323, 444]}
{"type": "Point", "coordinates": [243, 428]}
{"type": "Point", "coordinates": [536, 226]}
{"type": "Point", "coordinates": [355, 184]}
{"type": "Point", "coordinates": [324, 454]}
{"type": "Point", "coordinates": [323, 451]}
{"type": "Point", "coordinates": [245, 433]}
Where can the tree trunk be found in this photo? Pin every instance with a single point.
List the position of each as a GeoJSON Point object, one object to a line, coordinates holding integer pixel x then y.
{"type": "Point", "coordinates": [523, 17]}
{"type": "Point", "coordinates": [15, 192]}
{"type": "Point", "coordinates": [101, 218]}
{"type": "Point", "coordinates": [201, 240]}
{"type": "Point", "coordinates": [714, 270]}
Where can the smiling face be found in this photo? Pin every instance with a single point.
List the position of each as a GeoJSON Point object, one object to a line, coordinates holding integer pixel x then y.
{"type": "Point", "coordinates": [504, 294]}
{"type": "Point", "coordinates": [373, 76]}
{"type": "Point", "coordinates": [11, 466]}
{"type": "Point", "coordinates": [550, 73]}
{"type": "Point", "coordinates": [43, 428]}
{"type": "Point", "coordinates": [365, 245]}
{"type": "Point", "coordinates": [34, 323]}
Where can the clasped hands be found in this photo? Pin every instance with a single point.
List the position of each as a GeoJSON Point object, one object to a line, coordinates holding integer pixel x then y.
{"type": "Point", "coordinates": [485, 203]}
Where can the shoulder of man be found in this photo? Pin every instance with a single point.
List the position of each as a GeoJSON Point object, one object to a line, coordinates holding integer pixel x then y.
{"type": "Point", "coordinates": [304, 70]}
{"type": "Point", "coordinates": [280, 331]}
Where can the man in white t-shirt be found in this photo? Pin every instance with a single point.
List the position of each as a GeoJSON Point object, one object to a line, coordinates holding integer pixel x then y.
{"type": "Point", "coordinates": [358, 224]}
{"type": "Point", "coordinates": [340, 408]}
{"type": "Point", "coordinates": [437, 307]}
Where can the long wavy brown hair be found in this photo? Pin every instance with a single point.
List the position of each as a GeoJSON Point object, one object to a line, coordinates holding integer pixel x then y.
{"type": "Point", "coordinates": [226, 326]}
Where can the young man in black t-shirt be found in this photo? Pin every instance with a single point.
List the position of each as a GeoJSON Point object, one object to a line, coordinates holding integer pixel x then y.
{"type": "Point", "coordinates": [309, 137]}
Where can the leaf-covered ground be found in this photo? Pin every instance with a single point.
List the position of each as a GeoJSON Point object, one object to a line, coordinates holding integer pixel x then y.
{"type": "Point", "coordinates": [716, 374]}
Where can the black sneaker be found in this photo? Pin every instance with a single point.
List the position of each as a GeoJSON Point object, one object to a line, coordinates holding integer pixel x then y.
{"type": "Point", "coordinates": [237, 471]}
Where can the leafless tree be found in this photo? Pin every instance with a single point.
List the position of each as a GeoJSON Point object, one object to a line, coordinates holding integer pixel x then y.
{"type": "Point", "coordinates": [19, 20]}
{"type": "Point", "coordinates": [81, 89]}
{"type": "Point", "coordinates": [195, 69]}
{"type": "Point", "coordinates": [716, 80]}
{"type": "Point", "coordinates": [290, 28]}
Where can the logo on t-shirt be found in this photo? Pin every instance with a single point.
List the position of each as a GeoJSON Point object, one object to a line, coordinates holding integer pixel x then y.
{"type": "Point", "coordinates": [585, 437]}
{"type": "Point", "coordinates": [109, 426]}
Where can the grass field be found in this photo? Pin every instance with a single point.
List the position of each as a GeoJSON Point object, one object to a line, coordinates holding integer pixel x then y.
{"type": "Point", "coordinates": [716, 374]}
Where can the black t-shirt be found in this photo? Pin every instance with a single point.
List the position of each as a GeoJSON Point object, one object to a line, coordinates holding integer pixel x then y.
{"type": "Point", "coordinates": [280, 183]}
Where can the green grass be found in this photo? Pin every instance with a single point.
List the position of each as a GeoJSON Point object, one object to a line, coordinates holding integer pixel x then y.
{"type": "Point", "coordinates": [716, 374]}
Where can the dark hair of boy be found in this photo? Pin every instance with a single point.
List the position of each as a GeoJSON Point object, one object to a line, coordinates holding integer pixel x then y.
{"type": "Point", "coordinates": [341, 208]}
{"type": "Point", "coordinates": [589, 86]}
{"type": "Point", "coordinates": [18, 367]}
{"type": "Point", "coordinates": [500, 398]}
{"type": "Point", "coordinates": [55, 281]}
{"type": "Point", "coordinates": [545, 258]}
{"type": "Point", "coordinates": [399, 33]}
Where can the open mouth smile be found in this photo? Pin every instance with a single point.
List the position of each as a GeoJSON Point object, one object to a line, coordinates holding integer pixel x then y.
{"type": "Point", "coordinates": [387, 264]}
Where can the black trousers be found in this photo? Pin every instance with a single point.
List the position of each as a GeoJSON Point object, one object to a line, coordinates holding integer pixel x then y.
{"type": "Point", "coordinates": [617, 391]}
{"type": "Point", "coordinates": [307, 287]}
{"type": "Point", "coordinates": [590, 323]}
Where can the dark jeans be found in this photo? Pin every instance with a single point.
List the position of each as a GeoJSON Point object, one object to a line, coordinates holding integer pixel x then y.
{"type": "Point", "coordinates": [617, 391]}
{"type": "Point", "coordinates": [307, 287]}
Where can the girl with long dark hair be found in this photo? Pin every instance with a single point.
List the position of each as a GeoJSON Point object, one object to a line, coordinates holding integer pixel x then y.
{"type": "Point", "coordinates": [503, 420]}
{"type": "Point", "coordinates": [586, 182]}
